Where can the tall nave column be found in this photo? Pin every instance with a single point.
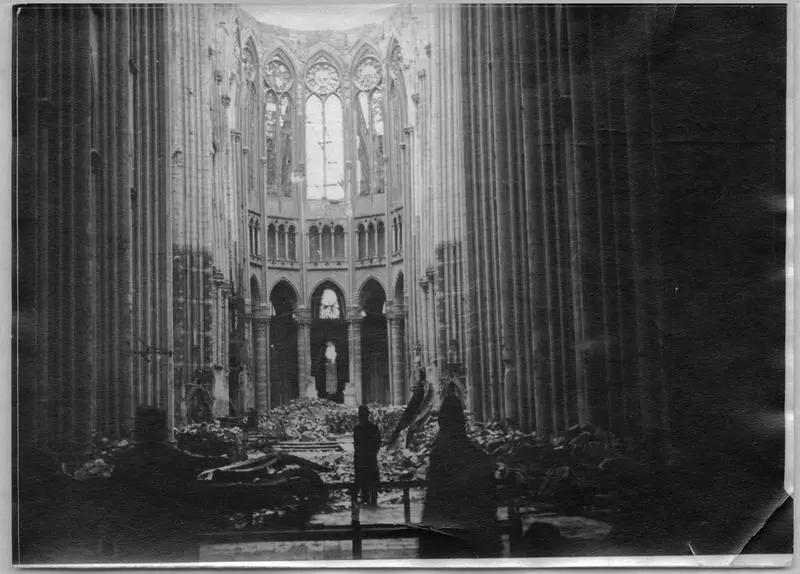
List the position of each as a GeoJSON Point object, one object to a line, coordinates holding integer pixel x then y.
{"type": "Point", "coordinates": [354, 342]}
{"type": "Point", "coordinates": [396, 354]}
{"type": "Point", "coordinates": [303, 349]}
{"type": "Point", "coordinates": [260, 357]}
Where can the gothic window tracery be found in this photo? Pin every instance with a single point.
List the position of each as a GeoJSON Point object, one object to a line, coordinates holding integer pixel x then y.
{"type": "Point", "coordinates": [250, 115]}
{"type": "Point", "coordinates": [279, 77]}
{"type": "Point", "coordinates": [396, 62]}
{"type": "Point", "coordinates": [278, 127]}
{"type": "Point", "coordinates": [324, 133]}
{"type": "Point", "coordinates": [396, 112]}
{"type": "Point", "coordinates": [249, 64]}
{"type": "Point", "coordinates": [368, 80]}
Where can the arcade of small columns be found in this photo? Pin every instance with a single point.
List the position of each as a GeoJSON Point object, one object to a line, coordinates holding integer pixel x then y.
{"type": "Point", "coordinates": [260, 321]}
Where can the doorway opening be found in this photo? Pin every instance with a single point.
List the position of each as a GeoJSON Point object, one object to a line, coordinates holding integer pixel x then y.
{"type": "Point", "coordinates": [283, 373]}
{"type": "Point", "coordinates": [374, 344]}
{"type": "Point", "coordinates": [330, 357]}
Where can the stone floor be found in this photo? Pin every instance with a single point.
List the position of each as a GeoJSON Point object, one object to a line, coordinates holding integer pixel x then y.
{"type": "Point", "coordinates": [577, 529]}
{"type": "Point", "coordinates": [388, 511]}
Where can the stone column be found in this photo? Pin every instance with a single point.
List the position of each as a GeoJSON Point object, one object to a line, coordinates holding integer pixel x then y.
{"type": "Point", "coordinates": [303, 317]}
{"type": "Point", "coordinates": [221, 406]}
{"type": "Point", "coordinates": [354, 342]}
{"type": "Point", "coordinates": [267, 362]}
{"type": "Point", "coordinates": [424, 316]}
{"type": "Point", "coordinates": [509, 407]}
{"type": "Point", "coordinates": [395, 318]}
{"type": "Point", "coordinates": [260, 354]}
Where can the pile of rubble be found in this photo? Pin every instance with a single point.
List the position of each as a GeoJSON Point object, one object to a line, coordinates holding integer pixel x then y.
{"type": "Point", "coordinates": [310, 420]}
{"type": "Point", "coordinates": [583, 470]}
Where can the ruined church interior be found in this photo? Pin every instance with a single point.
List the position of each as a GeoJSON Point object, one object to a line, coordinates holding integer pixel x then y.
{"type": "Point", "coordinates": [575, 213]}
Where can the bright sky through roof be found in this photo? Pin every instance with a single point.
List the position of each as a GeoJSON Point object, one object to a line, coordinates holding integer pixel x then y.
{"type": "Point", "coordinates": [319, 16]}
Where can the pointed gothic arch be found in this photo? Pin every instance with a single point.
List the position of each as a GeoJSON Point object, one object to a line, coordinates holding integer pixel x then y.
{"type": "Point", "coordinates": [279, 87]}
{"type": "Point", "coordinates": [283, 357]}
{"type": "Point", "coordinates": [367, 73]}
{"type": "Point", "coordinates": [372, 287]}
{"type": "Point", "coordinates": [317, 293]}
{"type": "Point", "coordinates": [324, 128]}
{"type": "Point", "coordinates": [362, 49]}
{"type": "Point", "coordinates": [396, 116]}
{"type": "Point", "coordinates": [250, 114]}
{"type": "Point", "coordinates": [248, 68]}
{"type": "Point", "coordinates": [374, 342]}
{"type": "Point", "coordinates": [278, 50]}
{"type": "Point", "coordinates": [324, 51]}
{"type": "Point", "coordinates": [329, 332]}
{"type": "Point", "coordinates": [285, 289]}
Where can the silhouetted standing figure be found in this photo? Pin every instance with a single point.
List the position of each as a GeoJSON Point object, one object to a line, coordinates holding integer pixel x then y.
{"type": "Point", "coordinates": [460, 499]}
{"type": "Point", "coordinates": [366, 442]}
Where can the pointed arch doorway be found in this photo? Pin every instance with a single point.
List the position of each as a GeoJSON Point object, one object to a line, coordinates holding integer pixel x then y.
{"type": "Point", "coordinates": [374, 344]}
{"type": "Point", "coordinates": [330, 356]}
{"type": "Point", "coordinates": [283, 374]}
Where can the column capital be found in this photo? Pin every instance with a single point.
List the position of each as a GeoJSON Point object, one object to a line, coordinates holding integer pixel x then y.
{"type": "Point", "coordinates": [354, 314]}
{"type": "Point", "coordinates": [303, 316]}
{"type": "Point", "coordinates": [395, 312]}
{"type": "Point", "coordinates": [260, 316]}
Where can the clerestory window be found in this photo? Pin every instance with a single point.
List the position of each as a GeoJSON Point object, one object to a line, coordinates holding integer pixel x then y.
{"type": "Point", "coordinates": [368, 80]}
{"type": "Point", "coordinates": [324, 133]}
{"type": "Point", "coordinates": [278, 126]}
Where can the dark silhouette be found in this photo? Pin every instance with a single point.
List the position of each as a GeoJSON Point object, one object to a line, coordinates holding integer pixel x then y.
{"type": "Point", "coordinates": [152, 509]}
{"type": "Point", "coordinates": [417, 410]}
{"type": "Point", "coordinates": [460, 501]}
{"type": "Point", "coordinates": [366, 442]}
